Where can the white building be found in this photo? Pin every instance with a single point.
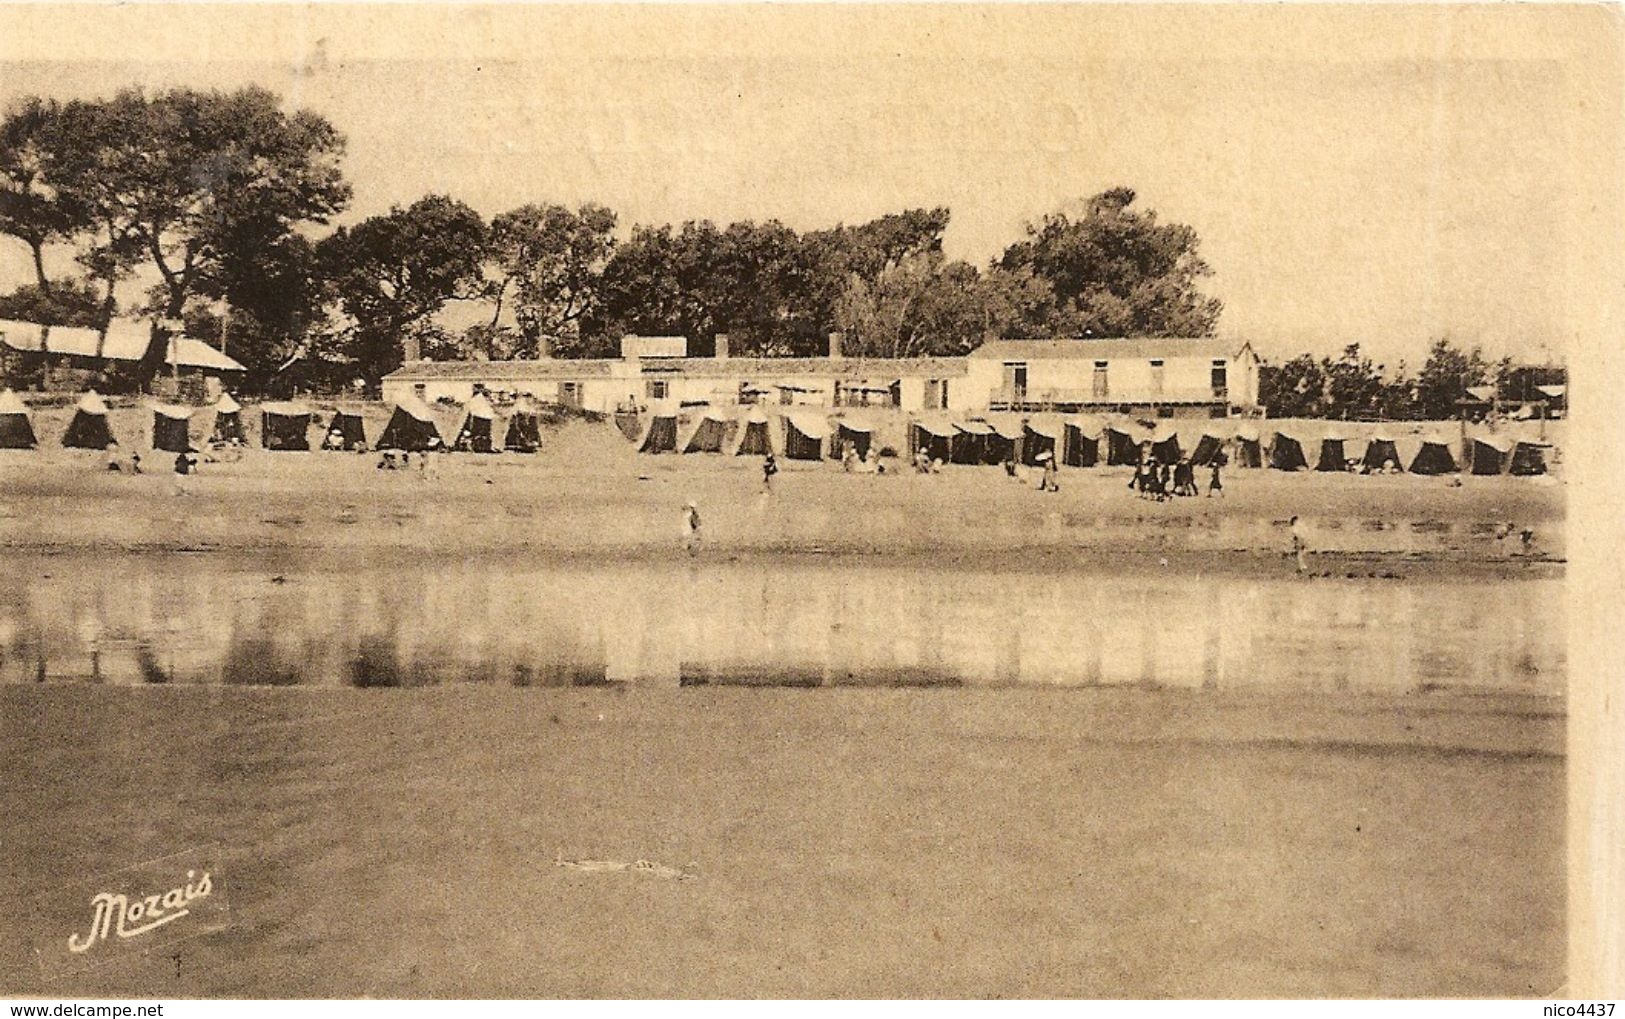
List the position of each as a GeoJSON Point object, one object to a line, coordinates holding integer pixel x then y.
{"type": "Point", "coordinates": [1163, 377]}
{"type": "Point", "coordinates": [655, 369]}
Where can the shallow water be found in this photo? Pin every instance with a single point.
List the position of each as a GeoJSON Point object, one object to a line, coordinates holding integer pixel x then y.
{"type": "Point", "coordinates": [213, 620]}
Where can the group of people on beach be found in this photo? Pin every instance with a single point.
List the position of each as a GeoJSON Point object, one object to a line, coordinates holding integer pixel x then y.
{"type": "Point", "coordinates": [1163, 481]}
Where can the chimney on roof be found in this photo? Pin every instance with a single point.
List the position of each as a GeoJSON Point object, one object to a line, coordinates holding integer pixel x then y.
{"type": "Point", "coordinates": [722, 347]}
{"type": "Point", "coordinates": [835, 343]}
{"type": "Point", "coordinates": [411, 349]}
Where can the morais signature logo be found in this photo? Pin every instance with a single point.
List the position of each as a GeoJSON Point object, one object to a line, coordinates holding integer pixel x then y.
{"type": "Point", "coordinates": [117, 914]}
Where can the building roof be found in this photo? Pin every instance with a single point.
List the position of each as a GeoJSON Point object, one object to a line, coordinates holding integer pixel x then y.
{"type": "Point", "coordinates": [860, 369]}
{"type": "Point", "coordinates": [126, 340]}
{"type": "Point", "coordinates": [855, 368]}
{"type": "Point", "coordinates": [1106, 349]}
{"type": "Point", "coordinates": [494, 371]}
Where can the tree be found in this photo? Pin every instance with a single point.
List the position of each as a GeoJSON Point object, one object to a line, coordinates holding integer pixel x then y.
{"type": "Point", "coordinates": [69, 302]}
{"type": "Point", "coordinates": [392, 272]}
{"type": "Point", "coordinates": [32, 209]}
{"type": "Point", "coordinates": [748, 280]}
{"type": "Point", "coordinates": [191, 183]}
{"type": "Point", "coordinates": [1294, 389]}
{"type": "Point", "coordinates": [1445, 377]}
{"type": "Point", "coordinates": [1117, 271]}
{"type": "Point", "coordinates": [927, 306]}
{"type": "Point", "coordinates": [552, 260]}
{"type": "Point", "coordinates": [1353, 384]}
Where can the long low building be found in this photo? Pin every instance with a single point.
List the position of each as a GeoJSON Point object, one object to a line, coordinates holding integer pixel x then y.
{"type": "Point", "coordinates": [124, 342]}
{"type": "Point", "coordinates": [1159, 377]}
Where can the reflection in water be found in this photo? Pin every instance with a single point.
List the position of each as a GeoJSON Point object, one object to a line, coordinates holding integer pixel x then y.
{"type": "Point", "coordinates": [195, 620]}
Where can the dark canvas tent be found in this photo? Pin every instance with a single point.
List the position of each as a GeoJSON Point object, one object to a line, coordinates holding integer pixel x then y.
{"type": "Point", "coordinates": [1122, 445]}
{"type": "Point", "coordinates": [1249, 451]}
{"type": "Point", "coordinates": [411, 427]}
{"type": "Point", "coordinates": [345, 432]}
{"type": "Point", "coordinates": [285, 426]}
{"type": "Point", "coordinates": [1332, 455]}
{"type": "Point", "coordinates": [1489, 454]}
{"type": "Point", "coordinates": [660, 435]}
{"type": "Point", "coordinates": [1209, 446]}
{"type": "Point", "coordinates": [88, 429]}
{"type": "Point", "coordinates": [479, 421]}
{"type": "Point", "coordinates": [1380, 453]}
{"type": "Point", "coordinates": [1081, 446]}
{"type": "Point", "coordinates": [1165, 445]}
{"type": "Point", "coordinates": [1529, 458]}
{"type": "Point", "coordinates": [1006, 440]}
{"type": "Point", "coordinates": [228, 420]}
{"type": "Point", "coordinates": [524, 429]}
{"type": "Point", "coordinates": [969, 442]}
{"type": "Point", "coordinates": [1043, 434]}
{"type": "Point", "coordinates": [1434, 457]}
{"type": "Point", "coordinates": [755, 437]}
{"type": "Point", "coordinates": [16, 428]}
{"type": "Point", "coordinates": [804, 436]}
{"type": "Point", "coordinates": [935, 436]}
{"type": "Point", "coordinates": [1286, 453]}
{"type": "Point", "coordinates": [171, 427]}
{"type": "Point", "coordinates": [854, 435]}
{"type": "Point", "coordinates": [710, 434]}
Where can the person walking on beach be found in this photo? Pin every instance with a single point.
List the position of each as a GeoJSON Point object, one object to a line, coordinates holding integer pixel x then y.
{"type": "Point", "coordinates": [691, 527]}
{"type": "Point", "coordinates": [1300, 542]}
{"type": "Point", "coordinates": [770, 467]}
{"type": "Point", "coordinates": [1214, 485]}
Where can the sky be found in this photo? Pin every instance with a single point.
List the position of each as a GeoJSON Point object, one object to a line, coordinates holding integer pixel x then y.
{"type": "Point", "coordinates": [1381, 176]}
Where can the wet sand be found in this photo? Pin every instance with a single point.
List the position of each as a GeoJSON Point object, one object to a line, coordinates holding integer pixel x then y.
{"type": "Point", "coordinates": [1084, 842]}
{"type": "Point", "coordinates": [872, 843]}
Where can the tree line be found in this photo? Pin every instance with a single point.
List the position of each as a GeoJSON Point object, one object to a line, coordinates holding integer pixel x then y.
{"type": "Point", "coordinates": [1351, 387]}
{"type": "Point", "coordinates": [213, 211]}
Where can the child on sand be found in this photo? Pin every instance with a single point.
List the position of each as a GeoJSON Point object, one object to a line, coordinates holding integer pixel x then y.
{"type": "Point", "coordinates": [770, 467]}
{"type": "Point", "coordinates": [1051, 481]}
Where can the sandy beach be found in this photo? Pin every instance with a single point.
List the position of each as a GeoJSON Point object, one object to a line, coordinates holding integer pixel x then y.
{"type": "Point", "coordinates": [1017, 841]}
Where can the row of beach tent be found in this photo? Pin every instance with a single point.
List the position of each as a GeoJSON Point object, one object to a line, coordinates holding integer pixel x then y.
{"type": "Point", "coordinates": [1088, 441]}
{"type": "Point", "coordinates": [412, 426]}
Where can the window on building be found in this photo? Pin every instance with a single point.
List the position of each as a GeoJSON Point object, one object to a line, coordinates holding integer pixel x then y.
{"type": "Point", "coordinates": [1156, 376]}
{"type": "Point", "coordinates": [1220, 377]}
{"type": "Point", "coordinates": [656, 389]}
{"type": "Point", "coordinates": [1015, 378]}
{"type": "Point", "coordinates": [1101, 388]}
{"type": "Point", "coordinates": [420, 390]}
{"type": "Point", "coordinates": [936, 394]}
{"type": "Point", "coordinates": [570, 394]}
